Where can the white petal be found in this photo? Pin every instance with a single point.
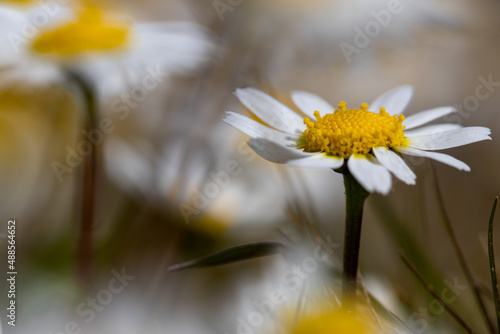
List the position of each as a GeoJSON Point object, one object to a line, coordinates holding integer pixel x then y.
{"type": "Point", "coordinates": [395, 164]}
{"type": "Point", "coordinates": [177, 46]}
{"type": "Point", "coordinates": [309, 103]}
{"type": "Point", "coordinates": [274, 152]}
{"type": "Point", "coordinates": [12, 40]}
{"type": "Point", "coordinates": [318, 161]}
{"type": "Point", "coordinates": [452, 138]}
{"type": "Point", "coordinates": [444, 158]}
{"type": "Point", "coordinates": [129, 166]}
{"type": "Point", "coordinates": [426, 116]}
{"type": "Point", "coordinates": [369, 173]}
{"type": "Point", "coordinates": [394, 101]}
{"type": "Point", "coordinates": [271, 111]}
{"type": "Point", "coordinates": [31, 72]}
{"type": "Point", "coordinates": [256, 130]}
{"type": "Point", "coordinates": [432, 129]}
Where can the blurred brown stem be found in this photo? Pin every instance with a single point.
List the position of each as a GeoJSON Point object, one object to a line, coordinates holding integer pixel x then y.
{"type": "Point", "coordinates": [87, 217]}
{"type": "Point", "coordinates": [87, 207]}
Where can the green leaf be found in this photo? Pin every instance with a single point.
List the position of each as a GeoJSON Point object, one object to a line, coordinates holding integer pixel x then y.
{"type": "Point", "coordinates": [234, 254]}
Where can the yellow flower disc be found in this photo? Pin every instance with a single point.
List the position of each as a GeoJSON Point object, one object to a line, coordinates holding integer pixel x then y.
{"type": "Point", "coordinates": [348, 132]}
{"type": "Point", "coordinates": [19, 1]}
{"type": "Point", "coordinates": [338, 322]}
{"type": "Point", "coordinates": [91, 31]}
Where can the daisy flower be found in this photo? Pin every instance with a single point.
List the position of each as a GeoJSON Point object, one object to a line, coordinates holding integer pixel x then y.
{"type": "Point", "coordinates": [366, 142]}
{"type": "Point", "coordinates": [100, 53]}
{"type": "Point", "coordinates": [108, 47]}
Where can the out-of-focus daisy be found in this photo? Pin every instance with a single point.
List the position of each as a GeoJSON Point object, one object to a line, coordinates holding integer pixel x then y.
{"type": "Point", "coordinates": [106, 46]}
{"type": "Point", "coordinates": [367, 141]}
{"type": "Point", "coordinates": [99, 53]}
{"type": "Point", "coordinates": [336, 321]}
{"type": "Point", "coordinates": [321, 313]}
{"type": "Point", "coordinates": [185, 173]}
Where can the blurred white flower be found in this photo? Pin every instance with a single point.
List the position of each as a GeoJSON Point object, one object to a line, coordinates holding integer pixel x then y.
{"type": "Point", "coordinates": [196, 177]}
{"type": "Point", "coordinates": [107, 47]}
{"type": "Point", "coordinates": [114, 54]}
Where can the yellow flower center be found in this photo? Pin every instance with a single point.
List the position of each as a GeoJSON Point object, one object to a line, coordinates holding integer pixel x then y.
{"type": "Point", "coordinates": [19, 1]}
{"type": "Point", "coordinates": [348, 132]}
{"type": "Point", "coordinates": [339, 322]}
{"type": "Point", "coordinates": [92, 31]}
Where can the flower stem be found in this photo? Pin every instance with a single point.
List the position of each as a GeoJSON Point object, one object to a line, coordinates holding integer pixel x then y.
{"type": "Point", "coordinates": [355, 199]}
{"type": "Point", "coordinates": [87, 205]}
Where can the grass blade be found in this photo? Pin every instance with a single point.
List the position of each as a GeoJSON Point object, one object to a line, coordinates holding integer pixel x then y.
{"type": "Point", "coordinates": [234, 254]}
{"type": "Point", "coordinates": [491, 254]}
{"type": "Point", "coordinates": [460, 255]}
{"type": "Point", "coordinates": [433, 292]}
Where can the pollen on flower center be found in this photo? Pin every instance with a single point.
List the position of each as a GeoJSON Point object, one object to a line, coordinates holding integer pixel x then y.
{"type": "Point", "coordinates": [351, 131]}
{"type": "Point", "coordinates": [91, 31]}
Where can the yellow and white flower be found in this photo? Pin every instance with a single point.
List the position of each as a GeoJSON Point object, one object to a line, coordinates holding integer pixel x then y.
{"type": "Point", "coordinates": [107, 46]}
{"type": "Point", "coordinates": [368, 141]}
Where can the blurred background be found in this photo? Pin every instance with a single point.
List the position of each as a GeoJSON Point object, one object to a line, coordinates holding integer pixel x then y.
{"type": "Point", "coordinates": [161, 197]}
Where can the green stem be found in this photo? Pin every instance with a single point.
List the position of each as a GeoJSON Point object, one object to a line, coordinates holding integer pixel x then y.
{"type": "Point", "coordinates": [493, 269]}
{"type": "Point", "coordinates": [355, 200]}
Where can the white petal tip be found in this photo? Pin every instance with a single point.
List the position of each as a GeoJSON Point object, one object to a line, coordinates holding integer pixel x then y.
{"type": "Point", "coordinates": [408, 88]}
{"type": "Point", "coordinates": [239, 91]}
{"type": "Point", "coordinates": [383, 191]}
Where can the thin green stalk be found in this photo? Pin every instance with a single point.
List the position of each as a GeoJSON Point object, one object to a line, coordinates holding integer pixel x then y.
{"type": "Point", "coordinates": [491, 253]}
{"type": "Point", "coordinates": [461, 257]}
{"type": "Point", "coordinates": [430, 288]}
{"type": "Point", "coordinates": [355, 199]}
